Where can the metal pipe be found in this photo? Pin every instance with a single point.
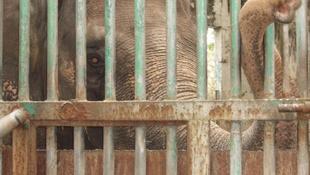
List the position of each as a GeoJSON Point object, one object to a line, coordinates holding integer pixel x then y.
{"type": "Point", "coordinates": [286, 59]}
{"type": "Point", "coordinates": [269, 88]}
{"type": "Point", "coordinates": [302, 84]}
{"type": "Point", "coordinates": [140, 147]}
{"type": "Point", "coordinates": [171, 154]}
{"type": "Point", "coordinates": [52, 82]}
{"type": "Point", "coordinates": [1, 61]}
{"type": "Point", "coordinates": [110, 94]}
{"type": "Point", "coordinates": [235, 136]}
{"type": "Point", "coordinates": [11, 121]}
{"type": "Point", "coordinates": [23, 86]}
{"type": "Point", "coordinates": [79, 160]}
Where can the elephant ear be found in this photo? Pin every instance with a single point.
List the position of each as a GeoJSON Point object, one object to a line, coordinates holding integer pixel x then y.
{"type": "Point", "coordinates": [285, 9]}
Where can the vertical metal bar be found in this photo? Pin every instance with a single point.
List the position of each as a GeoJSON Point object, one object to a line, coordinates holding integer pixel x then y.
{"type": "Point", "coordinates": [52, 82]}
{"type": "Point", "coordinates": [218, 64]}
{"type": "Point", "coordinates": [1, 60]}
{"type": "Point", "coordinates": [199, 130]}
{"type": "Point", "coordinates": [79, 160]}
{"type": "Point", "coordinates": [171, 154]}
{"type": "Point", "coordinates": [20, 135]}
{"type": "Point", "coordinates": [140, 147]}
{"type": "Point", "coordinates": [269, 88]}
{"type": "Point", "coordinates": [51, 151]}
{"type": "Point", "coordinates": [110, 93]}
{"type": "Point", "coordinates": [286, 59]}
{"type": "Point", "coordinates": [81, 49]}
{"type": "Point", "coordinates": [23, 87]}
{"type": "Point", "coordinates": [235, 137]}
{"type": "Point", "coordinates": [302, 84]}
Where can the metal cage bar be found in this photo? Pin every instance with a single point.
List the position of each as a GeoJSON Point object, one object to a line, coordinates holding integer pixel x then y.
{"type": "Point", "coordinates": [235, 136]}
{"type": "Point", "coordinates": [1, 61]}
{"type": "Point", "coordinates": [269, 88]}
{"type": "Point", "coordinates": [52, 82]}
{"type": "Point", "coordinates": [171, 155]}
{"type": "Point", "coordinates": [110, 92]}
{"type": "Point", "coordinates": [140, 147]}
{"type": "Point", "coordinates": [302, 74]}
{"type": "Point", "coordinates": [79, 160]}
{"type": "Point", "coordinates": [286, 59]}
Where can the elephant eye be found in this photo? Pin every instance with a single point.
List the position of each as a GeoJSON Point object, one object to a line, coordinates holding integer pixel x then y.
{"type": "Point", "coordinates": [94, 60]}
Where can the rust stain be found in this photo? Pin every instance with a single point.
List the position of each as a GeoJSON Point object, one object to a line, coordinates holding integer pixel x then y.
{"type": "Point", "coordinates": [69, 111]}
{"type": "Point", "coordinates": [221, 111]}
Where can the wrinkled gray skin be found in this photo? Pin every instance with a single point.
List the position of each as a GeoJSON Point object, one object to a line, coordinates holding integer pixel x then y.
{"type": "Point", "coordinates": [125, 54]}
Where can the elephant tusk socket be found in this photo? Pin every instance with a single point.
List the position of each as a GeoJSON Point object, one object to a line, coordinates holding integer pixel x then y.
{"type": "Point", "coordinates": [12, 120]}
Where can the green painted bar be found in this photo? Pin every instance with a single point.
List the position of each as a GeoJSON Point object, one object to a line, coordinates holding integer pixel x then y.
{"type": "Point", "coordinates": [140, 94]}
{"type": "Point", "coordinates": [269, 89]}
{"type": "Point", "coordinates": [24, 33]}
{"type": "Point", "coordinates": [79, 160]}
{"type": "Point", "coordinates": [302, 84]}
{"type": "Point", "coordinates": [110, 92]}
{"type": "Point", "coordinates": [110, 50]}
{"type": "Point", "coordinates": [171, 155]}
{"type": "Point", "coordinates": [81, 49]}
{"type": "Point", "coordinates": [235, 136]}
{"type": "Point", "coordinates": [52, 82]}
{"type": "Point", "coordinates": [52, 50]}
{"type": "Point", "coordinates": [140, 50]}
{"type": "Point", "coordinates": [201, 49]}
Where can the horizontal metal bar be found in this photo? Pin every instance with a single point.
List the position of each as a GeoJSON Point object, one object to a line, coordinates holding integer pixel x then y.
{"type": "Point", "coordinates": [301, 107]}
{"type": "Point", "coordinates": [154, 111]}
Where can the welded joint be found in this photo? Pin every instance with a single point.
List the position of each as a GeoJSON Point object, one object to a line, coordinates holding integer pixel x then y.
{"type": "Point", "coordinates": [299, 108]}
{"type": "Point", "coordinates": [12, 120]}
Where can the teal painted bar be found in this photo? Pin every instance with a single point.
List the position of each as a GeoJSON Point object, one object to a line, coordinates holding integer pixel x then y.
{"type": "Point", "coordinates": [81, 49]}
{"type": "Point", "coordinates": [110, 92]}
{"type": "Point", "coordinates": [79, 159]}
{"type": "Point", "coordinates": [52, 50]}
{"type": "Point", "coordinates": [110, 50]}
{"type": "Point", "coordinates": [269, 80]}
{"type": "Point", "coordinates": [269, 89]}
{"type": "Point", "coordinates": [302, 84]}
{"type": "Point", "coordinates": [140, 94]}
{"type": "Point", "coordinates": [52, 82]}
{"type": "Point", "coordinates": [171, 156]}
{"type": "Point", "coordinates": [235, 136]}
{"type": "Point", "coordinates": [140, 50]}
{"type": "Point", "coordinates": [201, 49]}
{"type": "Point", "coordinates": [24, 33]}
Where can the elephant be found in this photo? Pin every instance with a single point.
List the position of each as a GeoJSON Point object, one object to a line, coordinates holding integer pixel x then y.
{"type": "Point", "coordinates": [125, 54]}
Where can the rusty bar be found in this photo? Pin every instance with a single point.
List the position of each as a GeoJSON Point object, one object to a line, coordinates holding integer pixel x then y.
{"type": "Point", "coordinates": [199, 147]}
{"type": "Point", "coordinates": [286, 59]}
{"type": "Point", "coordinates": [140, 94]}
{"type": "Point", "coordinates": [20, 145]}
{"type": "Point", "coordinates": [171, 154]}
{"type": "Point", "coordinates": [269, 88]}
{"type": "Point", "coordinates": [157, 111]}
{"type": "Point", "coordinates": [302, 84]}
{"type": "Point", "coordinates": [79, 158]}
{"type": "Point", "coordinates": [32, 149]}
{"type": "Point", "coordinates": [52, 82]}
{"type": "Point", "coordinates": [108, 151]}
{"type": "Point", "coordinates": [110, 92]}
{"type": "Point", "coordinates": [11, 121]}
{"type": "Point", "coordinates": [23, 85]}
{"type": "Point", "coordinates": [235, 136]}
{"type": "Point", "coordinates": [301, 107]}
